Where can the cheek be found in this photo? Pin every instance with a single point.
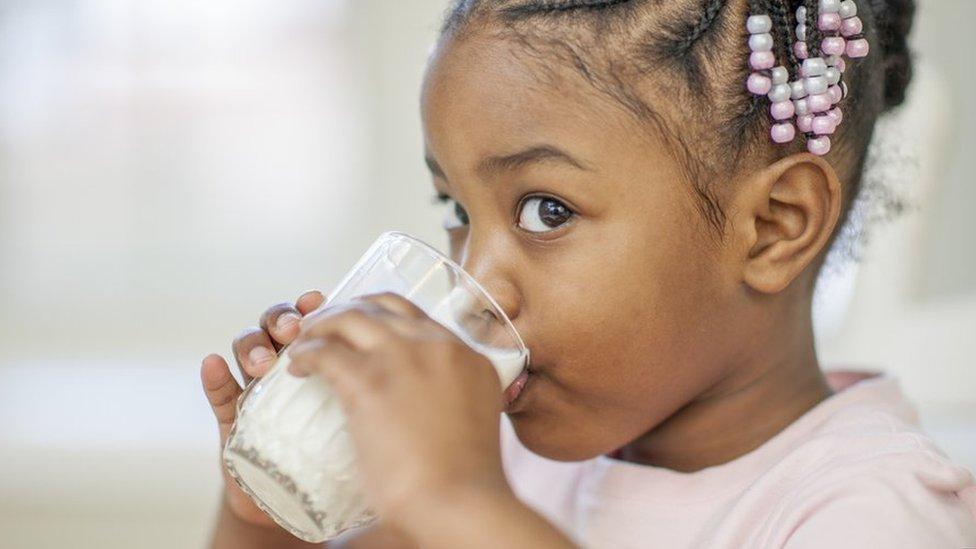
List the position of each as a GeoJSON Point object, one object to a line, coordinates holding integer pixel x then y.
{"type": "Point", "coordinates": [628, 321]}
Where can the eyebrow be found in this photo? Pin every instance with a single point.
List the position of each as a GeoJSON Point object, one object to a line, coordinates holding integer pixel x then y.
{"type": "Point", "coordinates": [511, 162]}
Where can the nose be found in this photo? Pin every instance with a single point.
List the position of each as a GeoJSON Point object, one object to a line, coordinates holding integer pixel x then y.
{"type": "Point", "coordinates": [488, 262]}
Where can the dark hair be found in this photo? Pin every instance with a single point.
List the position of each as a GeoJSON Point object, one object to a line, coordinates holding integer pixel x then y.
{"type": "Point", "coordinates": [696, 50]}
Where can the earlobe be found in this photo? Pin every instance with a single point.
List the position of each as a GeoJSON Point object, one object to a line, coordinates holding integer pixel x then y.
{"type": "Point", "coordinates": [787, 214]}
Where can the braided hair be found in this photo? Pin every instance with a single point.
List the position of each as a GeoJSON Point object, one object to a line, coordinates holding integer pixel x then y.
{"type": "Point", "coordinates": [696, 50]}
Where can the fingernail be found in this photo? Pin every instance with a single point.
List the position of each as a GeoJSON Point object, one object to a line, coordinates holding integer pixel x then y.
{"type": "Point", "coordinates": [260, 355]}
{"type": "Point", "coordinates": [286, 321]}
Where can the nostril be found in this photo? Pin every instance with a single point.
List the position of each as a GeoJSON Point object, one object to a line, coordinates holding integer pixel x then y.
{"type": "Point", "coordinates": [488, 314]}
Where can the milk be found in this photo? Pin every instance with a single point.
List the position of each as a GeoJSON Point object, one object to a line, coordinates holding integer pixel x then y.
{"type": "Point", "coordinates": [291, 447]}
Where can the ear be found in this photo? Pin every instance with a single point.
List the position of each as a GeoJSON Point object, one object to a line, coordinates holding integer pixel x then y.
{"type": "Point", "coordinates": [785, 216]}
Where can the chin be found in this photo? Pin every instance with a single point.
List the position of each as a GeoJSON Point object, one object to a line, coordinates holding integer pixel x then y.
{"type": "Point", "coordinates": [552, 438]}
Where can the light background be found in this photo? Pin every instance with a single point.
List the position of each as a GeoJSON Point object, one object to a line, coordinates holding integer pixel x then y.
{"type": "Point", "coordinates": [169, 168]}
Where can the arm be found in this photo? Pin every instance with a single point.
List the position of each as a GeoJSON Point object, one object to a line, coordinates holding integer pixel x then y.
{"type": "Point", "coordinates": [231, 532]}
{"type": "Point", "coordinates": [477, 518]}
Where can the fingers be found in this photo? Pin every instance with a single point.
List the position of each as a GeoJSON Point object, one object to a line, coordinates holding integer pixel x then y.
{"type": "Point", "coordinates": [222, 391]}
{"type": "Point", "coordinates": [395, 303]}
{"type": "Point", "coordinates": [362, 326]}
{"type": "Point", "coordinates": [340, 364]}
{"type": "Point", "coordinates": [256, 348]}
{"type": "Point", "coordinates": [253, 352]}
{"type": "Point", "coordinates": [280, 321]}
{"type": "Point", "coordinates": [309, 301]}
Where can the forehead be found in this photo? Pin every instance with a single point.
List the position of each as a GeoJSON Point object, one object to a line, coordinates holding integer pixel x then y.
{"type": "Point", "coordinates": [484, 95]}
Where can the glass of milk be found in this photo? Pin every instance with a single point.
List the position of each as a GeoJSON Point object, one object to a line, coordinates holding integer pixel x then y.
{"type": "Point", "coordinates": [289, 449]}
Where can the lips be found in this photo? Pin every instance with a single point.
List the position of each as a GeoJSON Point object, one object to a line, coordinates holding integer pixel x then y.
{"type": "Point", "coordinates": [515, 389]}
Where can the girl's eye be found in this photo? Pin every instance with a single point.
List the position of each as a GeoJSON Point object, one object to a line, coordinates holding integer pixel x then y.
{"type": "Point", "coordinates": [541, 214]}
{"type": "Point", "coordinates": [454, 217]}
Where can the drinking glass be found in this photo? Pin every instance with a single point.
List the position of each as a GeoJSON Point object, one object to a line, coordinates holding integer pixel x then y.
{"type": "Point", "coordinates": [289, 450]}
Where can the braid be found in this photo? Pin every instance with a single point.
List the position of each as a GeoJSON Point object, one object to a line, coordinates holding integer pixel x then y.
{"type": "Point", "coordinates": [709, 14]}
{"type": "Point", "coordinates": [813, 28]}
{"type": "Point", "coordinates": [783, 22]}
{"type": "Point", "coordinates": [541, 7]}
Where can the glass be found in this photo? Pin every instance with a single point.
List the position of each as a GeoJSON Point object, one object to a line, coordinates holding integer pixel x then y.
{"type": "Point", "coordinates": [288, 448]}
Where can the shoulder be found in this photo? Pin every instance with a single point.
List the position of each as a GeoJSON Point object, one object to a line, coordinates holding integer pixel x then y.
{"type": "Point", "coordinates": [867, 477]}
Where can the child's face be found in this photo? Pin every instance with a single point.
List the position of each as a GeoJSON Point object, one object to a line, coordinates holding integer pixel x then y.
{"type": "Point", "coordinates": [625, 303]}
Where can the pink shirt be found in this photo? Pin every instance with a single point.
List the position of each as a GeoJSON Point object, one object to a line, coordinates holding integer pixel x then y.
{"type": "Point", "coordinates": [854, 471]}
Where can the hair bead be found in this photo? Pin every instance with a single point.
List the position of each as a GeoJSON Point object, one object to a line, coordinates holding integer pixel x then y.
{"type": "Point", "coordinates": [782, 110]}
{"type": "Point", "coordinates": [808, 103]}
{"type": "Point", "coordinates": [783, 133]}
{"type": "Point", "coordinates": [779, 93]}
{"type": "Point", "coordinates": [819, 146]}
{"type": "Point", "coordinates": [833, 45]}
{"type": "Point", "coordinates": [847, 9]}
{"type": "Point", "coordinates": [759, 24]}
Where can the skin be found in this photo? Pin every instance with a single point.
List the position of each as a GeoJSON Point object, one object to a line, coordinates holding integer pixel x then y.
{"type": "Point", "coordinates": [649, 334]}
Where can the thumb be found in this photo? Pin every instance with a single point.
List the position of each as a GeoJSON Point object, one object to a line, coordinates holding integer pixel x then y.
{"type": "Point", "coordinates": [222, 391]}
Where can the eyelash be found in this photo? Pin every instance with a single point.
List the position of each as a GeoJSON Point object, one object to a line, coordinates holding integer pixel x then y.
{"type": "Point", "coordinates": [441, 198]}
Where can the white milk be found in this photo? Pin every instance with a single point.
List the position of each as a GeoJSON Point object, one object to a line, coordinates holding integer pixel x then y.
{"type": "Point", "coordinates": [291, 449]}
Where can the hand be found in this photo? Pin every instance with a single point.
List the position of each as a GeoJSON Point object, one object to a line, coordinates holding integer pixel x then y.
{"type": "Point", "coordinates": [255, 350]}
{"type": "Point", "coordinates": [423, 408]}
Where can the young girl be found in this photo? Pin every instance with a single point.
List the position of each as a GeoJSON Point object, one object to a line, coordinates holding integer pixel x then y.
{"type": "Point", "coordinates": [649, 190]}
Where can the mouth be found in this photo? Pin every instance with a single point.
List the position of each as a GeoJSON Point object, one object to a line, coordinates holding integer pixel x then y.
{"type": "Point", "coordinates": [517, 387]}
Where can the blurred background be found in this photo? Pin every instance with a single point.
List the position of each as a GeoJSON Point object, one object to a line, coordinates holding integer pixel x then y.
{"type": "Point", "coordinates": [169, 168]}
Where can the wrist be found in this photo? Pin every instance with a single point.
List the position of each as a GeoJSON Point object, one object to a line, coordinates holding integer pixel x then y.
{"type": "Point", "coordinates": [463, 507]}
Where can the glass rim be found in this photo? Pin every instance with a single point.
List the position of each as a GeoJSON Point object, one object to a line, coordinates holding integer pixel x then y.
{"type": "Point", "coordinates": [440, 256]}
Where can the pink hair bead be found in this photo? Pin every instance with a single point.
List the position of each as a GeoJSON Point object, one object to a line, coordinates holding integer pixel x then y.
{"type": "Point", "coordinates": [819, 103]}
{"type": "Point", "coordinates": [760, 60]}
{"type": "Point", "coordinates": [782, 110]}
{"type": "Point", "coordinates": [833, 45]}
{"type": "Point", "coordinates": [783, 133]}
{"type": "Point", "coordinates": [800, 50]}
{"type": "Point", "coordinates": [841, 65]}
{"type": "Point", "coordinates": [851, 27]}
{"type": "Point", "coordinates": [819, 145]}
{"type": "Point", "coordinates": [823, 125]}
{"type": "Point", "coordinates": [837, 115]}
{"type": "Point", "coordinates": [805, 123]}
{"type": "Point", "coordinates": [835, 93]}
{"type": "Point", "coordinates": [858, 48]}
{"type": "Point", "coordinates": [829, 21]}
{"type": "Point", "coordinates": [759, 84]}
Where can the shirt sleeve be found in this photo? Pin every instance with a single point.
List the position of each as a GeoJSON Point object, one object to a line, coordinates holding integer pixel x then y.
{"type": "Point", "coordinates": [892, 509]}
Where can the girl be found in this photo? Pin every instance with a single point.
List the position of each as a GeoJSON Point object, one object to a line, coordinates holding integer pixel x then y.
{"type": "Point", "coordinates": [649, 190]}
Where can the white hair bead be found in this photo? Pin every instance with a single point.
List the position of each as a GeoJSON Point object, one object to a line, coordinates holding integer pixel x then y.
{"type": "Point", "coordinates": [813, 66]}
{"type": "Point", "coordinates": [832, 75]}
{"type": "Point", "coordinates": [801, 32]}
{"type": "Point", "coordinates": [797, 89]}
{"type": "Point", "coordinates": [761, 42]}
{"type": "Point", "coordinates": [829, 6]}
{"type": "Point", "coordinates": [848, 9]}
{"type": "Point", "coordinates": [802, 107]}
{"type": "Point", "coordinates": [780, 93]}
{"type": "Point", "coordinates": [759, 24]}
{"type": "Point", "coordinates": [815, 85]}
{"type": "Point", "coordinates": [779, 75]}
